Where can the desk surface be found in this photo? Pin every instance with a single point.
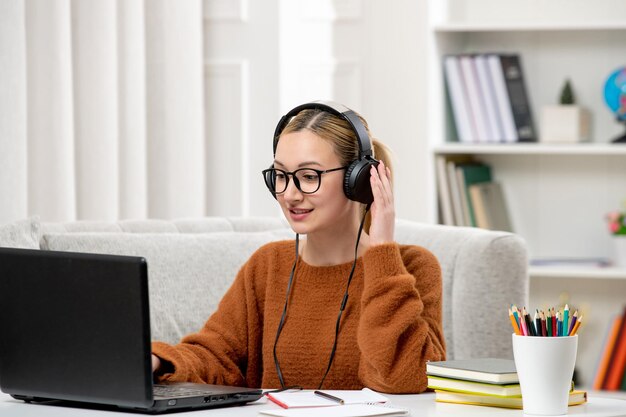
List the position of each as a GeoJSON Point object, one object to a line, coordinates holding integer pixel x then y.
{"type": "Point", "coordinates": [419, 405]}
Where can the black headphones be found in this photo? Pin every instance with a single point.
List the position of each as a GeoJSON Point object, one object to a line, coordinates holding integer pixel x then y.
{"type": "Point", "coordinates": [356, 182]}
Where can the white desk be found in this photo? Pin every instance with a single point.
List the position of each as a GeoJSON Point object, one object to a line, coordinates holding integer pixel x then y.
{"type": "Point", "coordinates": [422, 405]}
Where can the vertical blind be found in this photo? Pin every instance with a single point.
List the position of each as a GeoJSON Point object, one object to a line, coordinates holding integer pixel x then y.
{"type": "Point", "coordinates": [101, 109]}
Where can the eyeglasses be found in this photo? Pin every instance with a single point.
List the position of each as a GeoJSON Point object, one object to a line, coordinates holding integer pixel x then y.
{"type": "Point", "coordinates": [307, 180]}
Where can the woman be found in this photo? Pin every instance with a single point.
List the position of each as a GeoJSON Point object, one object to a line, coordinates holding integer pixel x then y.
{"type": "Point", "coordinates": [341, 309]}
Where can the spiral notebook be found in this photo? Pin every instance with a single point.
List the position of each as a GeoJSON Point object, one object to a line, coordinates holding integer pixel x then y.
{"type": "Point", "coordinates": [306, 398]}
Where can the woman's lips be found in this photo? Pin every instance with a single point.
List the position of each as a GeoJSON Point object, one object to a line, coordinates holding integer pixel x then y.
{"type": "Point", "coordinates": [299, 214]}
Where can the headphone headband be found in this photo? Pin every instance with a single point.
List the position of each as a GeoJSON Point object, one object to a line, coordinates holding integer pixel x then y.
{"type": "Point", "coordinates": [363, 139]}
{"type": "Point", "coordinates": [356, 182]}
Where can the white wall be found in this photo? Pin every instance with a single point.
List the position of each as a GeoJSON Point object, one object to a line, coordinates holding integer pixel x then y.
{"type": "Point", "coordinates": [143, 148]}
{"type": "Point", "coordinates": [368, 55]}
{"type": "Point", "coordinates": [394, 100]}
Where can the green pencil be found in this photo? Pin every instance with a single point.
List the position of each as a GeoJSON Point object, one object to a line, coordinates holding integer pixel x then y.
{"type": "Point", "coordinates": [565, 318]}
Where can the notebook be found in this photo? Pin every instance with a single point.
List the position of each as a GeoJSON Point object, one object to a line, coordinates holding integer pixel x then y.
{"type": "Point", "coordinates": [489, 370]}
{"type": "Point", "coordinates": [307, 398]}
{"type": "Point", "coordinates": [76, 327]}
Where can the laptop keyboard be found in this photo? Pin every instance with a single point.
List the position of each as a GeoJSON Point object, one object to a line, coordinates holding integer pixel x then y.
{"type": "Point", "coordinates": [169, 391]}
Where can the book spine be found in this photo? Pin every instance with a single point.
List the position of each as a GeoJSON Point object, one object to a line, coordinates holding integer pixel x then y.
{"type": "Point", "coordinates": [617, 362]}
{"type": "Point", "coordinates": [479, 207]}
{"type": "Point", "coordinates": [458, 99]}
{"type": "Point", "coordinates": [456, 193]}
{"type": "Point", "coordinates": [520, 104]}
{"type": "Point", "coordinates": [501, 94]}
{"type": "Point", "coordinates": [474, 95]}
{"type": "Point", "coordinates": [609, 344]}
{"type": "Point", "coordinates": [488, 94]}
{"type": "Point", "coordinates": [443, 189]}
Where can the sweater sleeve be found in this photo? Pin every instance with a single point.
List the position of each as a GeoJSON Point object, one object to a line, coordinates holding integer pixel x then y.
{"type": "Point", "coordinates": [221, 351]}
{"type": "Point", "coordinates": [401, 305]}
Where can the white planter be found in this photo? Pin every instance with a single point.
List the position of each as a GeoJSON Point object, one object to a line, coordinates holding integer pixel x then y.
{"type": "Point", "coordinates": [564, 124]}
{"type": "Point", "coordinates": [619, 247]}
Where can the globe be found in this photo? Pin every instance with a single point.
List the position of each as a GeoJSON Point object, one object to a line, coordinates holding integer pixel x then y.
{"type": "Point", "coordinates": [615, 96]}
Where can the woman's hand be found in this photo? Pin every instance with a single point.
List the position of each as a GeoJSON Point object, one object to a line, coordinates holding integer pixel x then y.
{"type": "Point", "coordinates": [156, 363]}
{"type": "Point", "coordinates": [383, 208]}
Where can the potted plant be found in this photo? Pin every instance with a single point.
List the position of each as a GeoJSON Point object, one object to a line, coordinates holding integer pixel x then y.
{"type": "Point", "coordinates": [566, 122]}
{"type": "Point", "coordinates": [617, 227]}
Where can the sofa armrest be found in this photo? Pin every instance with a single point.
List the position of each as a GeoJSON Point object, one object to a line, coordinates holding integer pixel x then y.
{"type": "Point", "coordinates": [484, 272]}
{"type": "Point", "coordinates": [490, 275]}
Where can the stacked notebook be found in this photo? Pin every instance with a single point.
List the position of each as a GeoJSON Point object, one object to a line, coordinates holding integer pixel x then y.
{"type": "Point", "coordinates": [485, 381]}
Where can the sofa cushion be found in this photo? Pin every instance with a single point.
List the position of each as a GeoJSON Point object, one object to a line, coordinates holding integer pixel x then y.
{"type": "Point", "coordinates": [20, 234]}
{"type": "Point", "coordinates": [183, 293]}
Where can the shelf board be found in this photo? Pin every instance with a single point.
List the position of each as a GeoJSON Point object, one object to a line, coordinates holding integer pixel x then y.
{"type": "Point", "coordinates": [527, 27]}
{"type": "Point", "coordinates": [531, 149]}
{"type": "Point", "coordinates": [587, 272]}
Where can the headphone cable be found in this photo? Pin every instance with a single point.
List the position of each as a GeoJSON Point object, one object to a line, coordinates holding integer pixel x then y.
{"type": "Point", "coordinates": [344, 301]}
{"type": "Point", "coordinates": [284, 316]}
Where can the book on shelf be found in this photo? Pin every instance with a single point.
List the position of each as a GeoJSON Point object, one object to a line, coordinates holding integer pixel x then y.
{"type": "Point", "coordinates": [478, 116]}
{"type": "Point", "coordinates": [472, 387]}
{"type": "Point", "coordinates": [488, 370]}
{"type": "Point", "coordinates": [490, 207]}
{"type": "Point", "coordinates": [488, 99]}
{"type": "Point", "coordinates": [518, 97]}
{"type": "Point", "coordinates": [487, 91]}
{"type": "Point", "coordinates": [457, 190]}
{"type": "Point", "coordinates": [443, 192]}
{"type": "Point", "coordinates": [615, 378]}
{"type": "Point", "coordinates": [576, 397]}
{"type": "Point", "coordinates": [469, 174]}
{"type": "Point", "coordinates": [503, 103]}
{"type": "Point", "coordinates": [607, 350]}
{"type": "Point", "coordinates": [459, 100]}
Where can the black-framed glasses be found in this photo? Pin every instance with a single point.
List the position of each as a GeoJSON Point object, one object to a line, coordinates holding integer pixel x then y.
{"type": "Point", "coordinates": [307, 180]}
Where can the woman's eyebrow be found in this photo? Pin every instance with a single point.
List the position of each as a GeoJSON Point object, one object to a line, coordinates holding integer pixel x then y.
{"type": "Point", "coordinates": [300, 165]}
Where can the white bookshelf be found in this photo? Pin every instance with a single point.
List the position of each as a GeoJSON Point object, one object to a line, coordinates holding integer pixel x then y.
{"type": "Point", "coordinates": [558, 195]}
{"type": "Point", "coordinates": [589, 149]}
{"type": "Point", "coordinates": [580, 272]}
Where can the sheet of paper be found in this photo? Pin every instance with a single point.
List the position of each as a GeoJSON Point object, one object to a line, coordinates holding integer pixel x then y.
{"type": "Point", "coordinates": [291, 399]}
{"type": "Point", "coordinates": [353, 410]}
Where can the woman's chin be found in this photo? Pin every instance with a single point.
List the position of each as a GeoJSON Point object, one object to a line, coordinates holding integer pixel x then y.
{"type": "Point", "coordinates": [298, 228]}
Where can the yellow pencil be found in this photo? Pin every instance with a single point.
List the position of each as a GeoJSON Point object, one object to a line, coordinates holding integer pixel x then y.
{"type": "Point", "coordinates": [514, 323]}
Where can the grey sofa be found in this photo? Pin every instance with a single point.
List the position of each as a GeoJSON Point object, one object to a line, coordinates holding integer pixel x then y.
{"type": "Point", "coordinates": [192, 262]}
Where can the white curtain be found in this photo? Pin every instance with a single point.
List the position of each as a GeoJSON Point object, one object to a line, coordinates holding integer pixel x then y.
{"type": "Point", "coordinates": [101, 109]}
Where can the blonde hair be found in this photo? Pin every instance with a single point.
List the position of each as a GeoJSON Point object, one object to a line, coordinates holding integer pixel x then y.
{"type": "Point", "coordinates": [340, 134]}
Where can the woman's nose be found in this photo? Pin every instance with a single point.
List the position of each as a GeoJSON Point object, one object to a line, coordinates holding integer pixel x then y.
{"type": "Point", "coordinates": [292, 192]}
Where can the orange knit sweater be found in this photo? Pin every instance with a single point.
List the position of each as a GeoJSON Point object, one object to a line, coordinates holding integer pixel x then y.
{"type": "Point", "coordinates": [391, 325]}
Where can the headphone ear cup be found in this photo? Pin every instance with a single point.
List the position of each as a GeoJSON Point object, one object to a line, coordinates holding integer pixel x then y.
{"type": "Point", "coordinates": [356, 182]}
{"type": "Point", "coordinates": [270, 181]}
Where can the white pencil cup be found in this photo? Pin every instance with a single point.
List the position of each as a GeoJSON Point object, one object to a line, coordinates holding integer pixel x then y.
{"type": "Point", "coordinates": [545, 367]}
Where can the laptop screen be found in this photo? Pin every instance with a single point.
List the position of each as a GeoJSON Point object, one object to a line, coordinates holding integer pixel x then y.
{"type": "Point", "coordinates": [75, 327]}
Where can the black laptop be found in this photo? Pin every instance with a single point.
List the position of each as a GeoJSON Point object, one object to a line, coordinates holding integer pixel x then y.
{"type": "Point", "coordinates": [76, 327]}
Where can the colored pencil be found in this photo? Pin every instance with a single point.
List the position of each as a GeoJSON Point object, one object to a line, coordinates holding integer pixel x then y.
{"type": "Point", "coordinates": [537, 323]}
{"type": "Point", "coordinates": [516, 315]}
{"type": "Point", "coordinates": [576, 326]}
{"type": "Point", "coordinates": [514, 323]}
{"type": "Point", "coordinates": [549, 323]}
{"type": "Point", "coordinates": [572, 322]}
{"type": "Point", "coordinates": [525, 331]}
{"type": "Point", "coordinates": [544, 330]}
{"type": "Point", "coordinates": [565, 327]}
